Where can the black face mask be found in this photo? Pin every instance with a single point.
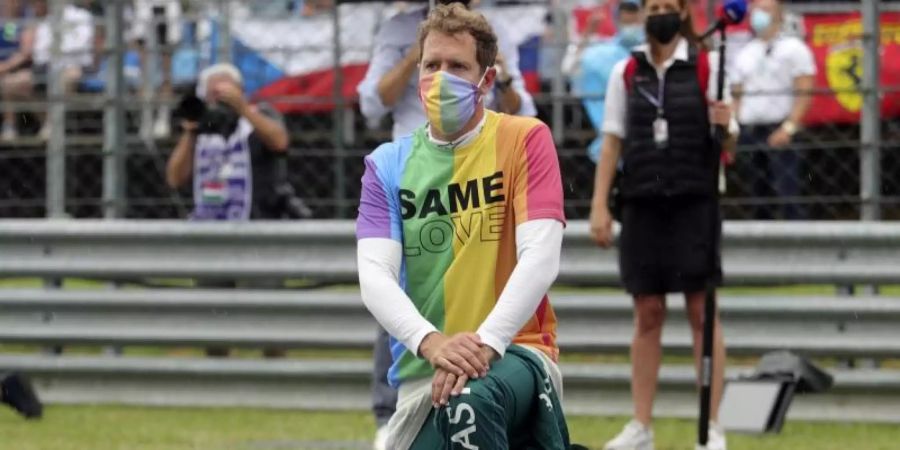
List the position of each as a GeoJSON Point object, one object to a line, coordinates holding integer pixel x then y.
{"type": "Point", "coordinates": [663, 27]}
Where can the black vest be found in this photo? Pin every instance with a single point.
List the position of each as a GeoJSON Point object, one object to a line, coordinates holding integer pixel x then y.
{"type": "Point", "coordinates": [687, 165]}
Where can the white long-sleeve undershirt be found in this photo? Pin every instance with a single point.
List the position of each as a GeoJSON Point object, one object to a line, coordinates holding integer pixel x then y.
{"type": "Point", "coordinates": [538, 244]}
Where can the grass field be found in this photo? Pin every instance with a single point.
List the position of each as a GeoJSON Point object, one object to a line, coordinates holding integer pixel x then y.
{"type": "Point", "coordinates": [133, 428]}
{"type": "Point", "coordinates": [127, 428]}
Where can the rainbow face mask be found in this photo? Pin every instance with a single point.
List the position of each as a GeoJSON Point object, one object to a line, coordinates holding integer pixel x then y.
{"type": "Point", "coordinates": [450, 101]}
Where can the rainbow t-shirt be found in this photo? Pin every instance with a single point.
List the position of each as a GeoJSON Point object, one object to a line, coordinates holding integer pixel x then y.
{"type": "Point", "coordinates": [455, 213]}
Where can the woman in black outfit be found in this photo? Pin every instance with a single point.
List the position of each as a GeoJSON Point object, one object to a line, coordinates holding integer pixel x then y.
{"type": "Point", "coordinates": [658, 125]}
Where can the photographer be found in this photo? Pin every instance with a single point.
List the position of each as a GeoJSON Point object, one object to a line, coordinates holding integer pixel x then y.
{"type": "Point", "coordinates": [234, 151]}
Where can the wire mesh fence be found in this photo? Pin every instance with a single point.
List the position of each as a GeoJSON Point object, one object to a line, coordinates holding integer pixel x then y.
{"type": "Point", "coordinates": [287, 52]}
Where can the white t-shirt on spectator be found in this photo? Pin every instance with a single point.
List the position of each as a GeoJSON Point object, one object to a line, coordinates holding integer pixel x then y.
{"type": "Point", "coordinates": [617, 96]}
{"type": "Point", "coordinates": [766, 71]}
{"type": "Point", "coordinates": [77, 43]}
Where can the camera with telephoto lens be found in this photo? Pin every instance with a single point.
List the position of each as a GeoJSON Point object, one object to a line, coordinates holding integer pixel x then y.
{"type": "Point", "coordinates": [215, 118]}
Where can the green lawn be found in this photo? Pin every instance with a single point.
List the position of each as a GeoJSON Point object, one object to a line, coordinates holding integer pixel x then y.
{"type": "Point", "coordinates": [129, 428]}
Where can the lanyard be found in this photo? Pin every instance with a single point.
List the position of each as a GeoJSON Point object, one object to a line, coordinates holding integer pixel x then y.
{"type": "Point", "coordinates": [658, 100]}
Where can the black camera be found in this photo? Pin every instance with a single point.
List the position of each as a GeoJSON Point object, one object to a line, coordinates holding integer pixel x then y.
{"type": "Point", "coordinates": [211, 119]}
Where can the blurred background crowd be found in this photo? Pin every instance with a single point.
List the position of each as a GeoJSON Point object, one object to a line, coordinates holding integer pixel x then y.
{"type": "Point", "coordinates": [56, 66]}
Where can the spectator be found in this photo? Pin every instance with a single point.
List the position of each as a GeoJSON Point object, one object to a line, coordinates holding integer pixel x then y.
{"type": "Point", "coordinates": [390, 83]}
{"type": "Point", "coordinates": [18, 393]}
{"type": "Point", "coordinates": [234, 153]}
{"type": "Point", "coordinates": [578, 41]}
{"type": "Point", "coordinates": [159, 20]}
{"type": "Point", "coordinates": [774, 74]}
{"type": "Point", "coordinates": [16, 43]}
{"type": "Point", "coordinates": [391, 86]}
{"type": "Point", "coordinates": [76, 50]}
{"type": "Point", "coordinates": [596, 61]}
{"type": "Point", "coordinates": [670, 217]}
{"type": "Point", "coordinates": [95, 77]}
{"type": "Point", "coordinates": [456, 303]}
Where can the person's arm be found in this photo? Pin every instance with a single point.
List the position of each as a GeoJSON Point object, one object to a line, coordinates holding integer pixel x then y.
{"type": "Point", "coordinates": [270, 130]}
{"type": "Point", "coordinates": [507, 97]}
{"type": "Point", "coordinates": [379, 259]}
{"type": "Point", "coordinates": [574, 50]}
{"type": "Point", "coordinates": [181, 163]}
{"type": "Point", "coordinates": [613, 130]}
{"type": "Point", "coordinates": [379, 254]}
{"type": "Point", "coordinates": [802, 99]}
{"type": "Point", "coordinates": [537, 203]}
{"type": "Point", "coordinates": [393, 84]}
{"type": "Point", "coordinates": [601, 218]}
{"type": "Point", "coordinates": [802, 68]}
{"type": "Point", "coordinates": [387, 57]}
{"type": "Point", "coordinates": [516, 100]}
{"type": "Point", "coordinates": [23, 55]}
{"type": "Point", "coordinates": [538, 248]}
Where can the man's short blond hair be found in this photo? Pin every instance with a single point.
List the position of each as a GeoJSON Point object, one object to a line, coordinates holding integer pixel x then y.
{"type": "Point", "coordinates": [454, 19]}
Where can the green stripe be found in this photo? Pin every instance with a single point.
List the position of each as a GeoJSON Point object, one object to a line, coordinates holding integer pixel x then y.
{"type": "Point", "coordinates": [449, 113]}
{"type": "Point", "coordinates": [428, 242]}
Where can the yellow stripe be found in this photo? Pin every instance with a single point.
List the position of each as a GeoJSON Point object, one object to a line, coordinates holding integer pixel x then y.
{"type": "Point", "coordinates": [434, 91]}
{"type": "Point", "coordinates": [469, 284]}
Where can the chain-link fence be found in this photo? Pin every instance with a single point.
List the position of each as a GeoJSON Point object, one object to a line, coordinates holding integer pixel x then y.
{"type": "Point", "coordinates": [106, 151]}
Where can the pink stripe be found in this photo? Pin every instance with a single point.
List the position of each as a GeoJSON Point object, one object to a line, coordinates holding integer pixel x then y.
{"type": "Point", "coordinates": [545, 197]}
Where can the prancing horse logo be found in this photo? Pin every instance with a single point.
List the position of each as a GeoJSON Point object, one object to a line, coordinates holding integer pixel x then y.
{"type": "Point", "coordinates": [844, 72]}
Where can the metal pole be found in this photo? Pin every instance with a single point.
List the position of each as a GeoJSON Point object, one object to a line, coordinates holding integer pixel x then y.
{"type": "Point", "coordinates": [113, 114]}
{"type": "Point", "coordinates": [709, 306]}
{"type": "Point", "coordinates": [340, 185]}
{"type": "Point", "coordinates": [224, 49]}
{"type": "Point", "coordinates": [558, 86]}
{"type": "Point", "coordinates": [148, 90]}
{"type": "Point", "coordinates": [870, 121]}
{"type": "Point", "coordinates": [56, 144]}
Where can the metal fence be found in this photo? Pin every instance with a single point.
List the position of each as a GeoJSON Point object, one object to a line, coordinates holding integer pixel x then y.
{"type": "Point", "coordinates": [861, 331]}
{"type": "Point", "coordinates": [107, 162]}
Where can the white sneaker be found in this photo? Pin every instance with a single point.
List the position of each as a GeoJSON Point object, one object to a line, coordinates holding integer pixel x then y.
{"type": "Point", "coordinates": [381, 437]}
{"type": "Point", "coordinates": [715, 440]}
{"type": "Point", "coordinates": [635, 436]}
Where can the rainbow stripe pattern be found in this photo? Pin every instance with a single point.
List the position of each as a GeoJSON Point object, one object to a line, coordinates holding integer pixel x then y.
{"type": "Point", "coordinates": [455, 213]}
{"type": "Point", "coordinates": [449, 101]}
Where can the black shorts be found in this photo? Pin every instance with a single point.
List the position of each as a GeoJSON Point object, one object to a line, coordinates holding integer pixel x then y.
{"type": "Point", "coordinates": [666, 244]}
